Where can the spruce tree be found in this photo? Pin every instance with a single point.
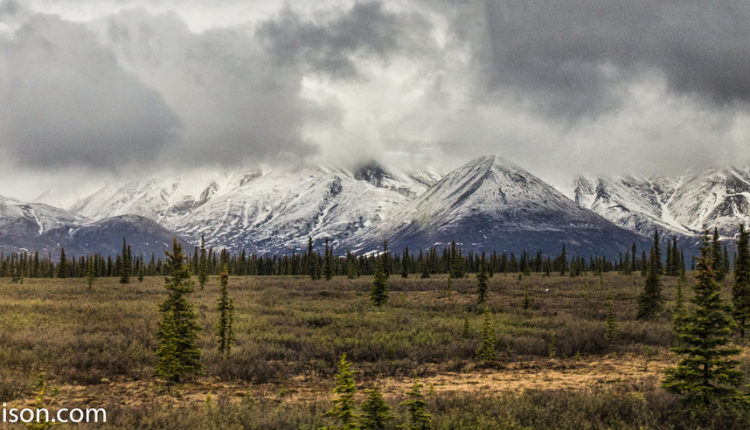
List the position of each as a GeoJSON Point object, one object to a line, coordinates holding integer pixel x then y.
{"type": "Point", "coordinates": [669, 262]}
{"type": "Point", "coordinates": [328, 263]}
{"type": "Point", "coordinates": [344, 406]}
{"type": "Point", "coordinates": [126, 263]}
{"type": "Point", "coordinates": [486, 350]}
{"type": "Point", "coordinates": [416, 406]}
{"type": "Point", "coordinates": [202, 264]}
{"type": "Point", "coordinates": [379, 290]}
{"type": "Point", "coordinates": [457, 262]}
{"type": "Point", "coordinates": [386, 259]}
{"type": "Point", "coordinates": [178, 331]}
{"type": "Point", "coordinates": [225, 306]}
{"type": "Point", "coordinates": [62, 266]}
{"type": "Point", "coordinates": [651, 300]}
{"type": "Point", "coordinates": [482, 280]}
{"type": "Point", "coordinates": [706, 372]}
{"type": "Point", "coordinates": [718, 262]}
{"type": "Point", "coordinates": [351, 265]}
{"type": "Point", "coordinates": [656, 254]}
{"type": "Point", "coordinates": [425, 270]}
{"type": "Point", "coordinates": [405, 263]}
{"type": "Point", "coordinates": [311, 262]}
{"type": "Point", "coordinates": [741, 288]}
{"type": "Point", "coordinates": [375, 412]}
{"type": "Point", "coordinates": [680, 310]}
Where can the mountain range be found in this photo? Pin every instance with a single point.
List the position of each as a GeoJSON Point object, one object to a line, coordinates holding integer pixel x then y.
{"type": "Point", "coordinates": [46, 229]}
{"type": "Point", "coordinates": [488, 203]}
{"type": "Point", "coordinates": [684, 205]}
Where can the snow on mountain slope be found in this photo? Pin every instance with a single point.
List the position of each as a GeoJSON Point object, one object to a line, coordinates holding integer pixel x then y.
{"type": "Point", "coordinates": [491, 203]}
{"type": "Point", "coordinates": [40, 217]}
{"type": "Point", "coordinates": [39, 227]}
{"type": "Point", "coordinates": [684, 205]}
{"type": "Point", "coordinates": [22, 225]}
{"type": "Point", "coordinates": [267, 210]}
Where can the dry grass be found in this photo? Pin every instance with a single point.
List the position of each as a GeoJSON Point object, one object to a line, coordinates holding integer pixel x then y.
{"type": "Point", "coordinates": [97, 345]}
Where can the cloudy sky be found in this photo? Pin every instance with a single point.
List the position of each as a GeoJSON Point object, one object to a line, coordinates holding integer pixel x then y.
{"type": "Point", "coordinates": [97, 90]}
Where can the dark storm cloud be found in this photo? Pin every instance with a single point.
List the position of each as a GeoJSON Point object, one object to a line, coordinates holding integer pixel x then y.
{"type": "Point", "coordinates": [66, 101]}
{"type": "Point", "coordinates": [570, 57]}
{"type": "Point", "coordinates": [335, 45]}
{"type": "Point", "coordinates": [139, 86]}
{"type": "Point", "coordinates": [234, 103]}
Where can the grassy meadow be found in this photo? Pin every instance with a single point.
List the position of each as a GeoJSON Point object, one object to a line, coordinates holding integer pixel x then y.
{"type": "Point", "coordinates": [554, 367]}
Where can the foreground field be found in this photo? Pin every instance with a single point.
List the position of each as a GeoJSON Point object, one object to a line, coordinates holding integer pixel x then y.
{"type": "Point", "coordinates": [554, 368]}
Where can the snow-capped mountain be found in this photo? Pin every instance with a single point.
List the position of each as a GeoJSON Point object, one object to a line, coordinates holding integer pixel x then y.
{"type": "Point", "coordinates": [23, 225]}
{"type": "Point", "coordinates": [266, 210]}
{"type": "Point", "coordinates": [491, 203]}
{"type": "Point", "coordinates": [43, 228]}
{"type": "Point", "coordinates": [488, 203]}
{"type": "Point", "coordinates": [683, 205]}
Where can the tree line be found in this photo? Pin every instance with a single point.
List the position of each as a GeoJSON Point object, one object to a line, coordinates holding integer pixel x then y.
{"type": "Point", "coordinates": [450, 259]}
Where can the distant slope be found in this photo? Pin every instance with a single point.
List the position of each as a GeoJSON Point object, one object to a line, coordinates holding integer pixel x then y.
{"type": "Point", "coordinates": [38, 227]}
{"type": "Point", "coordinates": [25, 225]}
{"type": "Point", "coordinates": [683, 205]}
{"type": "Point", "coordinates": [491, 203]}
{"type": "Point", "coordinates": [267, 210]}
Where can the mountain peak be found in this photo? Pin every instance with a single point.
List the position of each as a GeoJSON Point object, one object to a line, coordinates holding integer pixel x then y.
{"type": "Point", "coordinates": [491, 203]}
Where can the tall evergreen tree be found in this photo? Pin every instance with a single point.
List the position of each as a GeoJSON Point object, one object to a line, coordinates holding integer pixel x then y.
{"type": "Point", "coordinates": [741, 288]}
{"type": "Point", "coordinates": [718, 262]}
{"type": "Point", "coordinates": [425, 270]}
{"type": "Point", "coordinates": [669, 262]}
{"type": "Point", "coordinates": [344, 405]}
{"type": "Point", "coordinates": [706, 372]}
{"type": "Point", "coordinates": [202, 264]}
{"type": "Point", "coordinates": [126, 263]}
{"type": "Point", "coordinates": [482, 280]}
{"type": "Point", "coordinates": [328, 263]}
{"type": "Point", "coordinates": [379, 289]}
{"type": "Point", "coordinates": [405, 263]}
{"type": "Point", "coordinates": [680, 310]}
{"type": "Point", "coordinates": [351, 265]}
{"type": "Point", "coordinates": [225, 306]}
{"type": "Point", "coordinates": [62, 266]}
{"type": "Point", "coordinates": [457, 268]}
{"type": "Point", "coordinates": [386, 259]}
{"type": "Point", "coordinates": [178, 352]}
{"type": "Point", "coordinates": [656, 254]}
{"type": "Point", "coordinates": [311, 262]}
{"type": "Point", "coordinates": [651, 300]}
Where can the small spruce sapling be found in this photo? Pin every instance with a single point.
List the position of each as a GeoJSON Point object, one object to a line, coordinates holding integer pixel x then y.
{"type": "Point", "coordinates": [344, 405]}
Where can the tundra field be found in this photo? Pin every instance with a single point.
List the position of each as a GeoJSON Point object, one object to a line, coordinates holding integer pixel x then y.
{"type": "Point", "coordinates": [555, 367]}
